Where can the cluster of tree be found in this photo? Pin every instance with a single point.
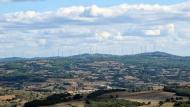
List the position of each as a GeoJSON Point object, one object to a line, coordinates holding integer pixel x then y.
{"type": "Point", "coordinates": [112, 103]}
{"type": "Point", "coordinates": [13, 65]}
{"type": "Point", "coordinates": [50, 100]}
{"type": "Point", "coordinates": [161, 103]}
{"type": "Point", "coordinates": [19, 78]}
{"type": "Point", "coordinates": [182, 104]}
{"type": "Point", "coordinates": [176, 100]}
{"type": "Point", "coordinates": [97, 93]}
{"type": "Point", "coordinates": [77, 97]}
{"type": "Point", "coordinates": [178, 90]}
{"type": "Point", "coordinates": [60, 64]}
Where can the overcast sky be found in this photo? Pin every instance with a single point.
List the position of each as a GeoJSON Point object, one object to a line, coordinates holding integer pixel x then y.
{"type": "Point", "coordinates": [40, 28]}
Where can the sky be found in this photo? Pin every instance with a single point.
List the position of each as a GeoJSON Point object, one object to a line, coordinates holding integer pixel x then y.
{"type": "Point", "coordinates": [43, 28]}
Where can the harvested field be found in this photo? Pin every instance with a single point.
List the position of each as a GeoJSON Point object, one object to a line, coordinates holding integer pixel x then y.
{"type": "Point", "coordinates": [149, 96]}
{"type": "Point", "coordinates": [7, 97]}
{"type": "Point", "coordinates": [154, 95]}
{"type": "Point", "coordinates": [69, 104]}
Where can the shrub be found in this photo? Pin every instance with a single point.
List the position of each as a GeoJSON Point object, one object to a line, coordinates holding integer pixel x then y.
{"type": "Point", "coordinates": [161, 103]}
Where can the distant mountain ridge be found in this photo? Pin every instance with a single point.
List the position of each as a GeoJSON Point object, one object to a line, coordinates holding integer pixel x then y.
{"type": "Point", "coordinates": [13, 59]}
{"type": "Point", "coordinates": [157, 54]}
{"type": "Point", "coordinates": [97, 55]}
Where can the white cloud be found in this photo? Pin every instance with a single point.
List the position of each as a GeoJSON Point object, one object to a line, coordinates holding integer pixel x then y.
{"type": "Point", "coordinates": [131, 25]}
{"type": "Point", "coordinates": [42, 42]}
{"type": "Point", "coordinates": [154, 32]}
{"type": "Point", "coordinates": [94, 14]}
{"type": "Point", "coordinates": [103, 35]}
{"type": "Point", "coordinates": [71, 11]}
{"type": "Point", "coordinates": [97, 11]}
{"type": "Point", "coordinates": [119, 36]}
{"type": "Point", "coordinates": [171, 28]}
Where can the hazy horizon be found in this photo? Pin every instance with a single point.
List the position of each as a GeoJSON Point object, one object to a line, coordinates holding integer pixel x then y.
{"type": "Point", "coordinates": [60, 55]}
